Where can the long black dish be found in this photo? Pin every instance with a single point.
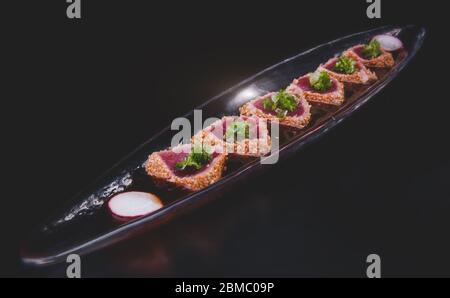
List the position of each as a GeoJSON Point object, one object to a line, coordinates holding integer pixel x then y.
{"type": "Point", "coordinates": [84, 224]}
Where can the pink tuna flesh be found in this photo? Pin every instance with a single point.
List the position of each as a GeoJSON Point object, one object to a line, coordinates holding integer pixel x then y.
{"type": "Point", "coordinates": [358, 51]}
{"type": "Point", "coordinates": [304, 84]}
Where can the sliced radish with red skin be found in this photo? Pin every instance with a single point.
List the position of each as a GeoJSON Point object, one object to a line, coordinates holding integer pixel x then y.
{"type": "Point", "coordinates": [389, 43]}
{"type": "Point", "coordinates": [128, 205]}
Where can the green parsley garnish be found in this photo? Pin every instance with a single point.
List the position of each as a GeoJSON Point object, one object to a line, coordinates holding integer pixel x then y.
{"type": "Point", "coordinates": [320, 81]}
{"type": "Point", "coordinates": [238, 129]}
{"type": "Point", "coordinates": [345, 65]}
{"type": "Point", "coordinates": [197, 158]}
{"type": "Point", "coordinates": [269, 104]}
{"type": "Point", "coordinates": [372, 50]}
{"type": "Point", "coordinates": [282, 103]}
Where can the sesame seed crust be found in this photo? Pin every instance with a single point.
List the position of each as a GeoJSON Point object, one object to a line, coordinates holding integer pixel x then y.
{"type": "Point", "coordinates": [362, 76]}
{"type": "Point", "coordinates": [247, 147]}
{"type": "Point", "coordinates": [385, 60]}
{"type": "Point", "coordinates": [333, 98]}
{"type": "Point", "coordinates": [158, 169]}
{"type": "Point", "coordinates": [299, 122]}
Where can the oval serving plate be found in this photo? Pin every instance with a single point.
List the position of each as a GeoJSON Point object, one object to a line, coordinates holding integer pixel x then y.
{"type": "Point", "coordinates": [84, 224]}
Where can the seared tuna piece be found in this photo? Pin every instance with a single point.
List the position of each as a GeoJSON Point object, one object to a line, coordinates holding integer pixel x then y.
{"type": "Point", "coordinates": [319, 87]}
{"type": "Point", "coordinates": [283, 107]}
{"type": "Point", "coordinates": [187, 166]}
{"type": "Point", "coordinates": [378, 58]}
{"type": "Point", "coordinates": [247, 136]}
{"type": "Point", "coordinates": [348, 70]}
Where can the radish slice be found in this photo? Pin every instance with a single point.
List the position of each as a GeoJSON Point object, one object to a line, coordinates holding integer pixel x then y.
{"type": "Point", "coordinates": [389, 43]}
{"type": "Point", "coordinates": [133, 204]}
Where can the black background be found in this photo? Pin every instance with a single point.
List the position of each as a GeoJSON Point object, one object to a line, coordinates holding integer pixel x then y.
{"type": "Point", "coordinates": [77, 95]}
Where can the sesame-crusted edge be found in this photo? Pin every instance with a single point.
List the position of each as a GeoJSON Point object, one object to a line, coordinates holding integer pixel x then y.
{"type": "Point", "coordinates": [249, 109]}
{"type": "Point", "coordinates": [363, 76]}
{"type": "Point", "coordinates": [246, 147]}
{"type": "Point", "coordinates": [157, 169]}
{"type": "Point", "coordinates": [385, 60]}
{"type": "Point", "coordinates": [334, 98]}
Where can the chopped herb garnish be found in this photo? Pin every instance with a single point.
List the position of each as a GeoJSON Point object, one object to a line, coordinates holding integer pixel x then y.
{"type": "Point", "coordinates": [268, 104]}
{"type": "Point", "coordinates": [320, 81]}
{"type": "Point", "coordinates": [345, 65]}
{"type": "Point", "coordinates": [197, 158]}
{"type": "Point", "coordinates": [238, 130]}
{"type": "Point", "coordinates": [281, 103]}
{"type": "Point", "coordinates": [372, 50]}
